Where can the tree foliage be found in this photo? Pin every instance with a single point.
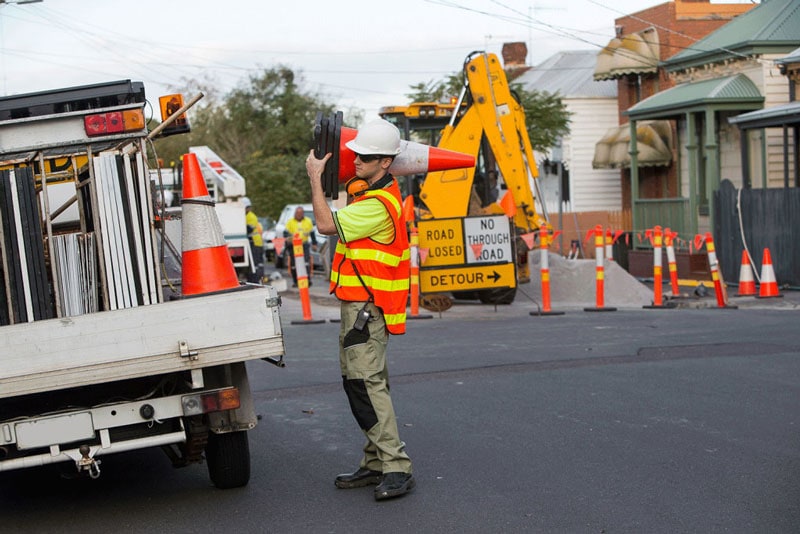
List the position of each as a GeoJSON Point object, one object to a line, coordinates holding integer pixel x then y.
{"type": "Point", "coordinates": [263, 129]}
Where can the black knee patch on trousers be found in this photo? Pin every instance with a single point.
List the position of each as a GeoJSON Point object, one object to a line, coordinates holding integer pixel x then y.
{"type": "Point", "coordinates": [360, 403]}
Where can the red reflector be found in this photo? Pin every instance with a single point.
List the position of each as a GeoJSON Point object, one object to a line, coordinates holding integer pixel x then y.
{"type": "Point", "coordinates": [114, 123]}
{"type": "Point", "coordinates": [236, 252]}
{"type": "Point", "coordinates": [94, 124]}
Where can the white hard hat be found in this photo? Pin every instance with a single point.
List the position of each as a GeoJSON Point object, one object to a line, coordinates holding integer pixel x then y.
{"type": "Point", "coordinates": [246, 202]}
{"type": "Point", "coordinates": [377, 137]}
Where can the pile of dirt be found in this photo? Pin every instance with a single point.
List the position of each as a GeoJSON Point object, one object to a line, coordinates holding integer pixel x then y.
{"type": "Point", "coordinates": [573, 283]}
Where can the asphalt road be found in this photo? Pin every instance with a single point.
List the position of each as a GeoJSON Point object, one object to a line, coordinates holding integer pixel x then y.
{"type": "Point", "coordinates": [635, 421]}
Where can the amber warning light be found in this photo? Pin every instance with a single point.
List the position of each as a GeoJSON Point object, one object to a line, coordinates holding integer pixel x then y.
{"type": "Point", "coordinates": [169, 105]}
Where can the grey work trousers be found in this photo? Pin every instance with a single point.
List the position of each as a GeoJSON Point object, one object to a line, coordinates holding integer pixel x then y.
{"type": "Point", "coordinates": [362, 357]}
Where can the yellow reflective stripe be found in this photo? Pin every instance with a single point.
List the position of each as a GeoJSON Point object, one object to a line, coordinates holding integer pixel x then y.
{"type": "Point", "coordinates": [395, 318]}
{"type": "Point", "coordinates": [377, 284]}
{"type": "Point", "coordinates": [388, 196]}
{"type": "Point", "coordinates": [381, 256]}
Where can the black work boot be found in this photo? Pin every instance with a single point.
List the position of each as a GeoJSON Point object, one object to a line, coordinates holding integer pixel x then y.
{"type": "Point", "coordinates": [394, 485]}
{"type": "Point", "coordinates": [359, 479]}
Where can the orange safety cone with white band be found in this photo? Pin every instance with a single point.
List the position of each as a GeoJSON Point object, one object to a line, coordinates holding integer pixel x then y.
{"type": "Point", "coordinates": [330, 136]}
{"type": "Point", "coordinates": [544, 243]}
{"type": "Point", "coordinates": [769, 285]}
{"type": "Point", "coordinates": [747, 283]}
{"type": "Point", "coordinates": [206, 263]}
{"type": "Point", "coordinates": [599, 245]}
{"type": "Point", "coordinates": [302, 281]}
{"type": "Point", "coordinates": [414, 269]}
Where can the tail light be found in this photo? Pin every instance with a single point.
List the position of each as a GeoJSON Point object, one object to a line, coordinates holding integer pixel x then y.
{"type": "Point", "coordinates": [114, 122]}
{"type": "Point", "coordinates": [212, 401]}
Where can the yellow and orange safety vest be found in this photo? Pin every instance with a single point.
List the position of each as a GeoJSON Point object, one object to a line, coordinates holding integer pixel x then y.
{"type": "Point", "coordinates": [383, 268]}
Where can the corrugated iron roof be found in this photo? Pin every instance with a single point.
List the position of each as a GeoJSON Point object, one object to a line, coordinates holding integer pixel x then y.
{"type": "Point", "coordinates": [736, 90]}
{"type": "Point", "coordinates": [772, 26]}
{"type": "Point", "coordinates": [791, 57]}
{"type": "Point", "coordinates": [569, 74]}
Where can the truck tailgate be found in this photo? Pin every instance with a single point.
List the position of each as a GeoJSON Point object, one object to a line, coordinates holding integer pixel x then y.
{"type": "Point", "coordinates": [116, 345]}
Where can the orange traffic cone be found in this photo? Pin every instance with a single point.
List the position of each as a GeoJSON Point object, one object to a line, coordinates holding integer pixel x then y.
{"type": "Point", "coordinates": [414, 158]}
{"type": "Point", "coordinates": [207, 264]}
{"type": "Point", "coordinates": [769, 286]}
{"type": "Point", "coordinates": [747, 284]}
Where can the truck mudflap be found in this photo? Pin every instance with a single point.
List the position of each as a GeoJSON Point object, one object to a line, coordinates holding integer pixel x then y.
{"type": "Point", "coordinates": [84, 435]}
{"type": "Point", "coordinates": [182, 335]}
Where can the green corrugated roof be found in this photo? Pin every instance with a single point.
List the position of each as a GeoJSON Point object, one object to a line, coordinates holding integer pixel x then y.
{"type": "Point", "coordinates": [771, 27]}
{"type": "Point", "coordinates": [733, 92]}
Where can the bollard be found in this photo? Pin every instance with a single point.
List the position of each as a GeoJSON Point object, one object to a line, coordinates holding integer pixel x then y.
{"type": "Point", "coordinates": [544, 243]}
{"type": "Point", "coordinates": [599, 270]}
{"type": "Point", "coordinates": [669, 243]}
{"type": "Point", "coordinates": [658, 275]}
{"type": "Point", "coordinates": [302, 282]}
{"type": "Point", "coordinates": [414, 293]}
{"type": "Point", "coordinates": [713, 266]}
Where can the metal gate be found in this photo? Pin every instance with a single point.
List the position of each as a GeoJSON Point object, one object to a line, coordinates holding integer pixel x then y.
{"type": "Point", "coordinates": [767, 218]}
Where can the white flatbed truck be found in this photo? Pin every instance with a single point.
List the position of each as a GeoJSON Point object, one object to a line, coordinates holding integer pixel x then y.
{"type": "Point", "coordinates": [99, 351]}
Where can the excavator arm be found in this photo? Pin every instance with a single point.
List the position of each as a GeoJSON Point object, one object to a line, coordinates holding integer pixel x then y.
{"type": "Point", "coordinates": [493, 119]}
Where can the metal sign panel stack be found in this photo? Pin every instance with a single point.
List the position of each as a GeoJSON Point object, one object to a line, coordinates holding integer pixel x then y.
{"type": "Point", "coordinates": [27, 292]}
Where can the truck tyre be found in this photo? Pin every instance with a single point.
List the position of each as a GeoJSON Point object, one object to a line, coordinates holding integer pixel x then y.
{"type": "Point", "coordinates": [497, 296]}
{"type": "Point", "coordinates": [228, 459]}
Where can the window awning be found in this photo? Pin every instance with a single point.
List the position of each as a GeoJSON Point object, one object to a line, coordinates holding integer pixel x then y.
{"type": "Point", "coordinates": [653, 141]}
{"type": "Point", "coordinates": [636, 53]}
{"type": "Point", "coordinates": [731, 92]}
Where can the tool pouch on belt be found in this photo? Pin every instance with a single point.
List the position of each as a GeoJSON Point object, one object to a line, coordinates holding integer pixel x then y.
{"type": "Point", "coordinates": [360, 332]}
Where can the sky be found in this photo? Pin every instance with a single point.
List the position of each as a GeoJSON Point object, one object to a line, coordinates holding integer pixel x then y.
{"type": "Point", "coordinates": [357, 54]}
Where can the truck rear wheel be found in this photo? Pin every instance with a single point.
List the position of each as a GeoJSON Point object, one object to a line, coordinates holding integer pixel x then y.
{"type": "Point", "coordinates": [228, 459]}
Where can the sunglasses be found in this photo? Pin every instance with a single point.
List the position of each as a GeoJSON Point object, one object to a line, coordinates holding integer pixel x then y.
{"type": "Point", "coordinates": [366, 158]}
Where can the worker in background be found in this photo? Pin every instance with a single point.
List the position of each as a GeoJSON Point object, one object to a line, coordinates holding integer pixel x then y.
{"type": "Point", "coordinates": [370, 276]}
{"type": "Point", "coordinates": [254, 231]}
{"type": "Point", "coordinates": [302, 225]}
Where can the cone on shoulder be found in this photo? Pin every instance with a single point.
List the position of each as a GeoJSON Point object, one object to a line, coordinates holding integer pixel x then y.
{"type": "Point", "coordinates": [206, 263]}
{"type": "Point", "coordinates": [747, 284]}
{"type": "Point", "coordinates": [769, 285]}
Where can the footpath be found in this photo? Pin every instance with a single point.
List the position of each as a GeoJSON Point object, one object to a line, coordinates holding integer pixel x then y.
{"type": "Point", "coordinates": [572, 290]}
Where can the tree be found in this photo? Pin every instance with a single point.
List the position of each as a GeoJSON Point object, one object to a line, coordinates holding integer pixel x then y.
{"type": "Point", "coordinates": [263, 128]}
{"type": "Point", "coordinates": [546, 116]}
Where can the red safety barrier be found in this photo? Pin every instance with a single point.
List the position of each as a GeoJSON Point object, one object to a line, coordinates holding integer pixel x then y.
{"type": "Point", "coordinates": [599, 270]}
{"type": "Point", "coordinates": [302, 281]}
{"type": "Point", "coordinates": [544, 243]}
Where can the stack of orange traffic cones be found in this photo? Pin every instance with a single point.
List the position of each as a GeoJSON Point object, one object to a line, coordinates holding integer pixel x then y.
{"type": "Point", "coordinates": [769, 285]}
{"type": "Point", "coordinates": [747, 284]}
{"type": "Point", "coordinates": [207, 265]}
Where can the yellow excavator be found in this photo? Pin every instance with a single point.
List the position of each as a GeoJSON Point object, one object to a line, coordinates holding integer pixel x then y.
{"type": "Point", "coordinates": [470, 221]}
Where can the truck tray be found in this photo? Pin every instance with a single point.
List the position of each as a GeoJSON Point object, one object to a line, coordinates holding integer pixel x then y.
{"type": "Point", "coordinates": [147, 340]}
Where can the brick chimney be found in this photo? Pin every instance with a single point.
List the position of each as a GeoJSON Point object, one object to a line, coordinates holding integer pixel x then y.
{"type": "Point", "coordinates": [514, 56]}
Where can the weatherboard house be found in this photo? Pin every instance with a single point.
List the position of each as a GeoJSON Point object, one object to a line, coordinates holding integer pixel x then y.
{"type": "Point", "coordinates": [721, 141]}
